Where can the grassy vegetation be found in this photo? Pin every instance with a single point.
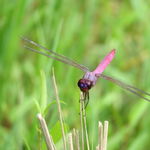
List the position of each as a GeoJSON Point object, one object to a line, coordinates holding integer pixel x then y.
{"type": "Point", "coordinates": [84, 31]}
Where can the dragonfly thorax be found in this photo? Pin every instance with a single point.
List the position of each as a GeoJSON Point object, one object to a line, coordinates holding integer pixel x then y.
{"type": "Point", "coordinates": [87, 82]}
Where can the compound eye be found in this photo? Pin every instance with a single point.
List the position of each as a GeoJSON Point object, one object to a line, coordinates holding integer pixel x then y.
{"type": "Point", "coordinates": [82, 85]}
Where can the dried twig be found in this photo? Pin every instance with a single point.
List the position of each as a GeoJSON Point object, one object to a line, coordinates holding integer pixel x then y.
{"type": "Point", "coordinates": [75, 136]}
{"type": "Point", "coordinates": [83, 122]}
{"type": "Point", "coordinates": [48, 138]}
{"type": "Point", "coordinates": [105, 134]}
{"type": "Point", "coordinates": [77, 140]}
{"type": "Point", "coordinates": [59, 111]}
{"type": "Point", "coordinates": [85, 127]}
{"type": "Point", "coordinates": [70, 141]}
{"type": "Point", "coordinates": [102, 135]}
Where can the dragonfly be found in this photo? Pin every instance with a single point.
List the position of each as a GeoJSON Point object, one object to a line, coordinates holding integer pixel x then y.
{"type": "Point", "coordinates": [89, 78]}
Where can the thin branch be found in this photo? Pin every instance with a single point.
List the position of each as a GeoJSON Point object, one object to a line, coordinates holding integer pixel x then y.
{"type": "Point", "coordinates": [70, 141]}
{"type": "Point", "coordinates": [48, 138]}
{"type": "Point", "coordinates": [100, 135]}
{"type": "Point", "coordinates": [97, 147]}
{"type": "Point", "coordinates": [75, 136]}
{"type": "Point", "coordinates": [85, 127]}
{"type": "Point", "coordinates": [59, 111]}
{"type": "Point", "coordinates": [81, 120]}
{"type": "Point", "coordinates": [77, 140]}
{"type": "Point", "coordinates": [105, 134]}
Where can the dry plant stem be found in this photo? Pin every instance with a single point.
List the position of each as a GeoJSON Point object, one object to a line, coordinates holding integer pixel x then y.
{"type": "Point", "coordinates": [100, 135]}
{"type": "Point", "coordinates": [77, 141]}
{"type": "Point", "coordinates": [85, 127]}
{"type": "Point", "coordinates": [48, 138]}
{"type": "Point", "coordinates": [105, 134]}
{"type": "Point", "coordinates": [74, 138]}
{"type": "Point", "coordinates": [59, 111]}
{"type": "Point", "coordinates": [70, 141]}
{"type": "Point", "coordinates": [97, 147]}
{"type": "Point", "coordinates": [81, 119]}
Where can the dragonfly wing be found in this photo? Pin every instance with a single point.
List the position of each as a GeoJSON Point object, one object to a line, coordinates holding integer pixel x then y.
{"type": "Point", "coordinates": [54, 55]}
{"type": "Point", "coordinates": [144, 95]}
{"type": "Point", "coordinates": [104, 63]}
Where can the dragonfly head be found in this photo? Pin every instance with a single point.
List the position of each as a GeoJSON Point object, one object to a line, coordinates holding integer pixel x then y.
{"type": "Point", "coordinates": [85, 85]}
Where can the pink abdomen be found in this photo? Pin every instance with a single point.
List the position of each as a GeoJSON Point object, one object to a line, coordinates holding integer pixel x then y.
{"type": "Point", "coordinates": [105, 62]}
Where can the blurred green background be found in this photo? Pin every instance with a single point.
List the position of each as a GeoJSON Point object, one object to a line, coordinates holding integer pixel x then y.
{"type": "Point", "coordinates": [84, 31]}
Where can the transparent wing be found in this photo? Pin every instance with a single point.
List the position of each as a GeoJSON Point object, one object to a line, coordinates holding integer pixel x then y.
{"type": "Point", "coordinates": [54, 55]}
{"type": "Point", "coordinates": [129, 88]}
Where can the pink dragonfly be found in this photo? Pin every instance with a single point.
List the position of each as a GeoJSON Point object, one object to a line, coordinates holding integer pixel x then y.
{"type": "Point", "coordinates": [90, 78]}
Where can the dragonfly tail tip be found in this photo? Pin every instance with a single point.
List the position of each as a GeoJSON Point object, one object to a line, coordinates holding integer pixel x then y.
{"type": "Point", "coordinates": [114, 50]}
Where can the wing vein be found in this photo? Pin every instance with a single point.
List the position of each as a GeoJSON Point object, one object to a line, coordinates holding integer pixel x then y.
{"type": "Point", "coordinates": [128, 87]}
{"type": "Point", "coordinates": [59, 57]}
